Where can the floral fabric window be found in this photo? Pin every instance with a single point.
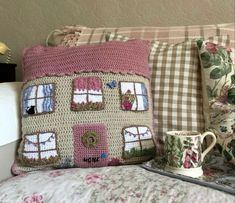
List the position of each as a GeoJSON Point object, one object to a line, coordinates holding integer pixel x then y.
{"type": "Point", "coordinates": [133, 96]}
{"type": "Point", "coordinates": [40, 147]}
{"type": "Point", "coordinates": [138, 141]}
{"type": "Point", "coordinates": [87, 94]}
{"type": "Point", "coordinates": [38, 99]}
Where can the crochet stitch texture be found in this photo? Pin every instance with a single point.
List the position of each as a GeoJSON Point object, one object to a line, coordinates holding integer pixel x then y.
{"type": "Point", "coordinates": [79, 118]}
{"type": "Point", "coordinates": [117, 57]}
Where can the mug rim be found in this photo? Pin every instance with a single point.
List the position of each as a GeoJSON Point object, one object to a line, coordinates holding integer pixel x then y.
{"type": "Point", "coordinates": [183, 133]}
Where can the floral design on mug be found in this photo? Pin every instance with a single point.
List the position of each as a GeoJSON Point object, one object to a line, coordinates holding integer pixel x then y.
{"type": "Point", "coordinates": [191, 151]}
{"type": "Point", "coordinates": [190, 159]}
{"type": "Point", "coordinates": [184, 153]}
{"type": "Point", "coordinates": [174, 151]}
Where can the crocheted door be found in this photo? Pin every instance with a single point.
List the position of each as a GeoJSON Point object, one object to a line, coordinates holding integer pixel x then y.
{"type": "Point", "coordinates": [90, 145]}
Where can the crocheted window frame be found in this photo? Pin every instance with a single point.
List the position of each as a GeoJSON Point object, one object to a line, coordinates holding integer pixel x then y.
{"type": "Point", "coordinates": [137, 141]}
{"type": "Point", "coordinates": [36, 148]}
{"type": "Point", "coordinates": [87, 92]}
{"type": "Point", "coordinates": [31, 95]}
{"type": "Point", "coordinates": [129, 100]}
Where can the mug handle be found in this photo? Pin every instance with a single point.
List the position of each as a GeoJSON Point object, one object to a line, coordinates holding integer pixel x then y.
{"type": "Point", "coordinates": [210, 146]}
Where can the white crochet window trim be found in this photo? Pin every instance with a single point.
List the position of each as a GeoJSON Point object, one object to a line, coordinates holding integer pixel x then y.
{"type": "Point", "coordinates": [40, 146]}
{"type": "Point", "coordinates": [38, 99]}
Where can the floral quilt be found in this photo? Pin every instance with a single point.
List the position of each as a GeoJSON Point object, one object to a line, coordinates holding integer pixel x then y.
{"type": "Point", "coordinates": [217, 172]}
{"type": "Point", "coordinates": [108, 184]}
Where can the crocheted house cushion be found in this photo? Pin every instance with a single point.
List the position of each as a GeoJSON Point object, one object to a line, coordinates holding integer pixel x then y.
{"type": "Point", "coordinates": [86, 106]}
{"type": "Point", "coordinates": [218, 74]}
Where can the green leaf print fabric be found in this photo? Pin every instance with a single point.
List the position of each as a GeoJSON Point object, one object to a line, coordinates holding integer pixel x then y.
{"type": "Point", "coordinates": [218, 81]}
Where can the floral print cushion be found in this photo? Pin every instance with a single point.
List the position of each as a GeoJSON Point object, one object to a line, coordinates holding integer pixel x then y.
{"type": "Point", "coordinates": [218, 79]}
{"type": "Point", "coordinates": [129, 183]}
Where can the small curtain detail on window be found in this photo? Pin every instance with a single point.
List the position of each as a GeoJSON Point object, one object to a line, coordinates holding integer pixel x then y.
{"type": "Point", "coordinates": [40, 148]}
{"type": "Point", "coordinates": [38, 99]}
{"type": "Point", "coordinates": [138, 141]}
{"type": "Point", "coordinates": [88, 83]}
{"type": "Point", "coordinates": [87, 94]}
{"type": "Point", "coordinates": [133, 96]}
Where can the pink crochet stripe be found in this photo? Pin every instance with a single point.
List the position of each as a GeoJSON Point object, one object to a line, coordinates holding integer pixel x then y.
{"type": "Point", "coordinates": [89, 83]}
{"type": "Point", "coordinates": [129, 57]}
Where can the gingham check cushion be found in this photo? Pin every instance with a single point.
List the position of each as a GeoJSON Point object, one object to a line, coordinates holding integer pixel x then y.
{"type": "Point", "coordinates": [176, 89]}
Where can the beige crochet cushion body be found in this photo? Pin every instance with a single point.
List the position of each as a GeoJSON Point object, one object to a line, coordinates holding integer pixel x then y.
{"type": "Point", "coordinates": [80, 113]}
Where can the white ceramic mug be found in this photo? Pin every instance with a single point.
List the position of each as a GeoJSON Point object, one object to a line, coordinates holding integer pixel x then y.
{"type": "Point", "coordinates": [183, 150]}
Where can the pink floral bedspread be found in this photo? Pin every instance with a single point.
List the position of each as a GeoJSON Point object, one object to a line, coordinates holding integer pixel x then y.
{"type": "Point", "coordinates": [108, 184]}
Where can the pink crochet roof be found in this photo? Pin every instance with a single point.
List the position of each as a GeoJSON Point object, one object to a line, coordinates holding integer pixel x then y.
{"type": "Point", "coordinates": [129, 57]}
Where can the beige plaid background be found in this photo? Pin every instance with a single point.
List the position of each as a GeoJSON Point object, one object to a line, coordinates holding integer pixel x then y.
{"type": "Point", "coordinates": [78, 35]}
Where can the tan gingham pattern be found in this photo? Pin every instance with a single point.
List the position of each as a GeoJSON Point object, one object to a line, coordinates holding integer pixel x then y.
{"type": "Point", "coordinates": [176, 87]}
{"type": "Point", "coordinates": [78, 35]}
{"type": "Point", "coordinates": [172, 110]}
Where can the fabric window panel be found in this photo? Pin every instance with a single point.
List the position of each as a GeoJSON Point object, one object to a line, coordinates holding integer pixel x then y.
{"type": "Point", "coordinates": [47, 104]}
{"type": "Point", "coordinates": [137, 141]}
{"type": "Point", "coordinates": [133, 96]}
{"type": "Point", "coordinates": [38, 99]}
{"type": "Point", "coordinates": [87, 94]}
{"type": "Point", "coordinates": [26, 95]}
{"type": "Point", "coordinates": [40, 146]}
